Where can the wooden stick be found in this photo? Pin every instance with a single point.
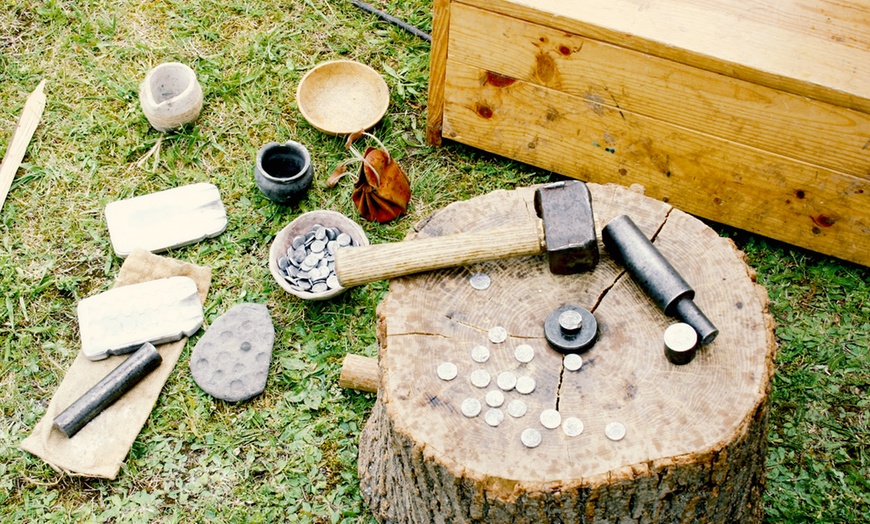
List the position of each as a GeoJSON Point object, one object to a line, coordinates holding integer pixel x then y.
{"type": "Point", "coordinates": [359, 372]}
{"type": "Point", "coordinates": [30, 117]}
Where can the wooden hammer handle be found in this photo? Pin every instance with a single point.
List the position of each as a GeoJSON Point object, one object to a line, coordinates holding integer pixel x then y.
{"type": "Point", "coordinates": [361, 265]}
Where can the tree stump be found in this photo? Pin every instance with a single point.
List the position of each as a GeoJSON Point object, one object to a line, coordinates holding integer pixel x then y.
{"type": "Point", "coordinates": [695, 435]}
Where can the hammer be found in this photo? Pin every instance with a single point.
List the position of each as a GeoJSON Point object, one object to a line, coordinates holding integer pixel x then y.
{"type": "Point", "coordinates": [565, 230]}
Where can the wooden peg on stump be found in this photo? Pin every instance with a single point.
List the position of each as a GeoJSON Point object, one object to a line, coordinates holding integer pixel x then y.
{"type": "Point", "coordinates": [628, 436]}
{"type": "Point", "coordinates": [360, 373]}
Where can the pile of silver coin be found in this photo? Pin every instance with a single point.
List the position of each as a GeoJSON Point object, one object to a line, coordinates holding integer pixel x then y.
{"type": "Point", "coordinates": [516, 380]}
{"type": "Point", "coordinates": [309, 265]}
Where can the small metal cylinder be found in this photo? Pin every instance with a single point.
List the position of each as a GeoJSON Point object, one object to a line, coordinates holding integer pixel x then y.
{"type": "Point", "coordinates": [108, 390]}
{"type": "Point", "coordinates": [571, 329]}
{"type": "Point", "coordinates": [681, 343]}
{"type": "Point", "coordinates": [627, 244]}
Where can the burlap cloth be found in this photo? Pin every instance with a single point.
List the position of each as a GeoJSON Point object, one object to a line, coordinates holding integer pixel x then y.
{"type": "Point", "coordinates": [99, 448]}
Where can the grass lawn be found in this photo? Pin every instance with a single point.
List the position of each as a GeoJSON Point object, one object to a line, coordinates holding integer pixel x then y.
{"type": "Point", "coordinates": [290, 454]}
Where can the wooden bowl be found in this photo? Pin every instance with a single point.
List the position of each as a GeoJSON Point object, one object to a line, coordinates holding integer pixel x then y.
{"type": "Point", "coordinates": [300, 226]}
{"type": "Point", "coordinates": [342, 97]}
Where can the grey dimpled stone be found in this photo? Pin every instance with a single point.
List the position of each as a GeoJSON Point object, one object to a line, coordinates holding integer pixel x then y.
{"type": "Point", "coordinates": [231, 360]}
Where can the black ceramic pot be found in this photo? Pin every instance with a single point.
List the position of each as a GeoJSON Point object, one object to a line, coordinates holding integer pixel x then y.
{"type": "Point", "coordinates": [283, 171]}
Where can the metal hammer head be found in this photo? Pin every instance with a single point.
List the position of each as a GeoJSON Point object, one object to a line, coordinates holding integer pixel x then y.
{"type": "Point", "coordinates": [569, 228]}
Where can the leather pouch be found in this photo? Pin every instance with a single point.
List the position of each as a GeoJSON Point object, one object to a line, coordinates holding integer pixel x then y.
{"type": "Point", "coordinates": [382, 190]}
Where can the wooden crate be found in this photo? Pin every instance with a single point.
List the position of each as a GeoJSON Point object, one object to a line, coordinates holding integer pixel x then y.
{"type": "Point", "coordinates": [752, 113]}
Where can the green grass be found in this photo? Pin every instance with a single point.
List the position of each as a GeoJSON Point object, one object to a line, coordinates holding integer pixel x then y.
{"type": "Point", "coordinates": [290, 454]}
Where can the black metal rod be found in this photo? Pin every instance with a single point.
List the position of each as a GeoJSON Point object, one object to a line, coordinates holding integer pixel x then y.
{"type": "Point", "coordinates": [393, 20]}
{"type": "Point", "coordinates": [627, 244]}
{"type": "Point", "coordinates": [108, 390]}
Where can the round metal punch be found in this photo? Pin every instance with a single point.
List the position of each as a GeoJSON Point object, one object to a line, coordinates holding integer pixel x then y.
{"type": "Point", "coordinates": [681, 343]}
{"type": "Point", "coordinates": [571, 329]}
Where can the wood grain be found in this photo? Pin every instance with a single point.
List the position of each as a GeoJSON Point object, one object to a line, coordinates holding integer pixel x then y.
{"type": "Point", "coordinates": [779, 197]}
{"type": "Point", "coordinates": [816, 49]}
{"type": "Point", "coordinates": [437, 69]}
{"type": "Point", "coordinates": [696, 432]}
{"type": "Point", "coordinates": [759, 117]}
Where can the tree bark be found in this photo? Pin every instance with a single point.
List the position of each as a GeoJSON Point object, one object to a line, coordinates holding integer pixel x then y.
{"type": "Point", "coordinates": [695, 441]}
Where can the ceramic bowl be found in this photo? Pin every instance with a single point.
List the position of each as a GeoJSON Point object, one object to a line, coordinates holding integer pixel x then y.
{"type": "Point", "coordinates": [342, 97]}
{"type": "Point", "coordinates": [170, 96]}
{"type": "Point", "coordinates": [300, 226]}
{"type": "Point", "coordinates": [283, 172]}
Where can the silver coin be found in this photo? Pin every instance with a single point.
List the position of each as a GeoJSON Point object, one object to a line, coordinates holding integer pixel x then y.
{"type": "Point", "coordinates": [319, 233]}
{"type": "Point", "coordinates": [480, 354]}
{"type": "Point", "coordinates": [310, 261]}
{"type": "Point", "coordinates": [506, 380]}
{"type": "Point", "coordinates": [571, 321]}
{"type": "Point", "coordinates": [447, 371]}
{"type": "Point", "coordinates": [344, 240]}
{"type": "Point", "coordinates": [572, 426]}
{"type": "Point", "coordinates": [531, 438]}
{"type": "Point", "coordinates": [494, 417]}
{"type": "Point", "coordinates": [319, 287]}
{"type": "Point", "coordinates": [550, 418]}
{"type": "Point", "coordinates": [516, 408]}
{"type": "Point", "coordinates": [470, 407]}
{"type": "Point", "coordinates": [332, 282]}
{"type": "Point", "coordinates": [332, 246]}
{"type": "Point", "coordinates": [497, 335]}
{"type": "Point", "coordinates": [318, 245]}
{"type": "Point", "coordinates": [480, 378]}
{"type": "Point", "coordinates": [525, 385]}
{"type": "Point", "coordinates": [494, 398]}
{"type": "Point", "coordinates": [615, 431]}
{"type": "Point", "coordinates": [298, 256]}
{"type": "Point", "coordinates": [479, 281]}
{"type": "Point", "coordinates": [524, 353]}
{"type": "Point", "coordinates": [572, 362]}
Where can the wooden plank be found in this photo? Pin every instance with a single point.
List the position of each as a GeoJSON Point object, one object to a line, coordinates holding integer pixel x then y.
{"type": "Point", "coordinates": [31, 114]}
{"type": "Point", "coordinates": [437, 66]}
{"type": "Point", "coordinates": [823, 210]}
{"type": "Point", "coordinates": [778, 48]}
{"type": "Point", "coordinates": [756, 116]}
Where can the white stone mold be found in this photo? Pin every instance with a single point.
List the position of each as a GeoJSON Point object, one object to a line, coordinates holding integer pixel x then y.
{"type": "Point", "coordinates": [166, 219]}
{"type": "Point", "coordinates": [122, 319]}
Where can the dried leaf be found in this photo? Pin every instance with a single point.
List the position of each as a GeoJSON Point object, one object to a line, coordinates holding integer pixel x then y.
{"type": "Point", "coordinates": [336, 175]}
